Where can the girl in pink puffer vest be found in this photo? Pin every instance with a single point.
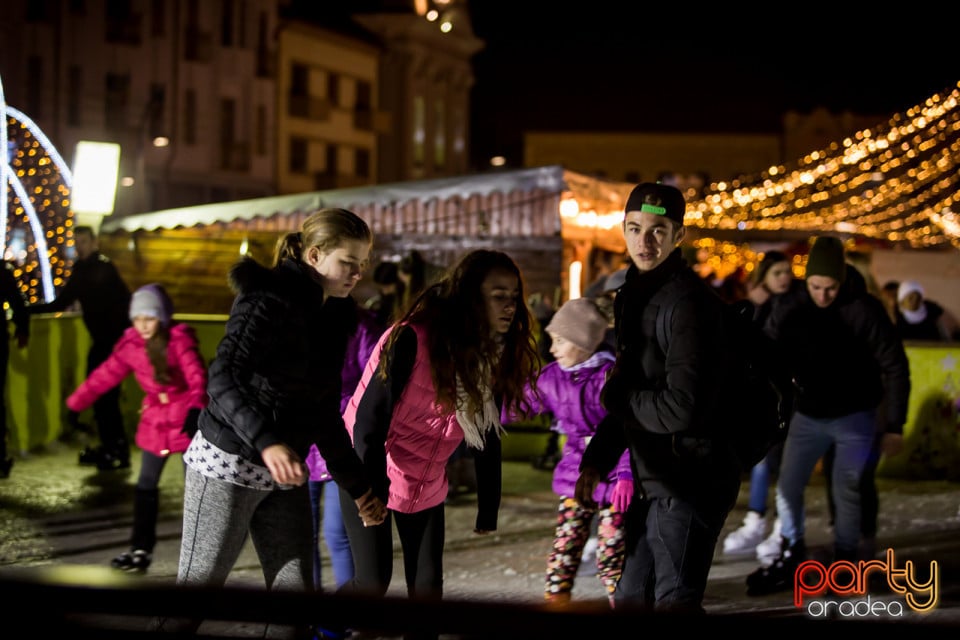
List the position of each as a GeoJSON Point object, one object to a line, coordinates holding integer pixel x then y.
{"type": "Point", "coordinates": [164, 357]}
{"type": "Point", "coordinates": [440, 376]}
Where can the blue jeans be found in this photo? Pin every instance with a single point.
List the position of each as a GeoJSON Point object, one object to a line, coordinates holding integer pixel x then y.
{"type": "Point", "coordinates": [761, 475]}
{"type": "Point", "coordinates": [334, 533]}
{"type": "Point", "coordinates": [670, 546]}
{"type": "Point", "coordinates": [759, 487]}
{"type": "Point", "coordinates": [808, 439]}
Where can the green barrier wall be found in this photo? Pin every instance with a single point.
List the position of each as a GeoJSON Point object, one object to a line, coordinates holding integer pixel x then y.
{"type": "Point", "coordinates": [932, 433]}
{"type": "Point", "coordinates": [42, 375]}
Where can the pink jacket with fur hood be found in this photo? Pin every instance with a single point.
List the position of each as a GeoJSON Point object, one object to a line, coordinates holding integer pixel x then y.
{"type": "Point", "coordinates": [164, 406]}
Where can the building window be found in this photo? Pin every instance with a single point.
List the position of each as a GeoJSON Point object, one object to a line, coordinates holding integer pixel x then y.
{"type": "Point", "coordinates": [332, 167]}
{"type": "Point", "coordinates": [242, 24]}
{"type": "Point", "coordinates": [190, 116]}
{"type": "Point", "coordinates": [364, 96]}
{"type": "Point", "coordinates": [35, 87]}
{"type": "Point", "coordinates": [298, 155]}
{"type": "Point", "coordinates": [459, 135]}
{"type": "Point", "coordinates": [419, 130]}
{"type": "Point", "coordinates": [299, 80]}
{"type": "Point", "coordinates": [158, 25]}
{"type": "Point", "coordinates": [228, 124]}
{"type": "Point", "coordinates": [197, 43]}
{"type": "Point", "coordinates": [333, 88]}
{"type": "Point", "coordinates": [41, 10]}
{"type": "Point", "coordinates": [263, 50]}
{"type": "Point", "coordinates": [261, 131]}
{"type": "Point", "coordinates": [362, 113]}
{"type": "Point", "coordinates": [226, 23]}
{"type": "Point", "coordinates": [439, 135]}
{"type": "Point", "coordinates": [74, 92]}
{"type": "Point", "coordinates": [123, 25]}
{"type": "Point", "coordinates": [361, 163]}
{"type": "Point", "coordinates": [157, 107]}
{"type": "Point", "coordinates": [117, 101]}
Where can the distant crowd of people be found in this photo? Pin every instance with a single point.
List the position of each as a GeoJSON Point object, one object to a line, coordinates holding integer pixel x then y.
{"type": "Point", "coordinates": [323, 418]}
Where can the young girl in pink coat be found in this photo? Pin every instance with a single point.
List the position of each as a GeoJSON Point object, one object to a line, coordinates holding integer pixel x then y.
{"type": "Point", "coordinates": [164, 357]}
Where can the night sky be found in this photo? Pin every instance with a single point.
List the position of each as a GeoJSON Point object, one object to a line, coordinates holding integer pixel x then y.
{"type": "Point", "coordinates": [627, 69]}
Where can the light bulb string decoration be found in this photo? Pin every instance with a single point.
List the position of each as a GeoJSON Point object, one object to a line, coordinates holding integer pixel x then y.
{"type": "Point", "coordinates": [36, 183]}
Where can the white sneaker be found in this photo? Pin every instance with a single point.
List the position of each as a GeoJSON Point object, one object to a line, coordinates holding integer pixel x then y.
{"type": "Point", "coordinates": [769, 549]}
{"type": "Point", "coordinates": [748, 536]}
{"type": "Point", "coordinates": [588, 561]}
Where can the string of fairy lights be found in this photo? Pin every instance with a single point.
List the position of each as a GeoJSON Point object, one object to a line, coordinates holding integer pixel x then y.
{"type": "Point", "coordinates": [896, 183]}
{"type": "Point", "coordinates": [36, 206]}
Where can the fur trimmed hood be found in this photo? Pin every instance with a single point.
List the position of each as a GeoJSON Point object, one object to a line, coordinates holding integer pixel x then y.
{"type": "Point", "coordinates": [248, 276]}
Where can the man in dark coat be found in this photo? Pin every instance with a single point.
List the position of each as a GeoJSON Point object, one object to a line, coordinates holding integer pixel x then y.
{"type": "Point", "coordinates": [845, 357]}
{"type": "Point", "coordinates": [9, 293]}
{"type": "Point", "coordinates": [105, 302]}
{"type": "Point", "coordinates": [664, 401]}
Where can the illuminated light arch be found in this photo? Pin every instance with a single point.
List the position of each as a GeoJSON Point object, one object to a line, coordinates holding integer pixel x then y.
{"type": "Point", "coordinates": [50, 193]}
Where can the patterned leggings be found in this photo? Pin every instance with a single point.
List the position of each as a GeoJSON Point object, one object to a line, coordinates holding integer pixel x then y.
{"type": "Point", "coordinates": [573, 530]}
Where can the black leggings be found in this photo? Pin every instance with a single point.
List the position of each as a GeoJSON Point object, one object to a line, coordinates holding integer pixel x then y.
{"type": "Point", "coordinates": [421, 539]}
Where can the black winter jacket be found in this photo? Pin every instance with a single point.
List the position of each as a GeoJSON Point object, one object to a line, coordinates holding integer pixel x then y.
{"type": "Point", "coordinates": [844, 358]}
{"type": "Point", "coordinates": [276, 376]}
{"type": "Point", "coordinates": [665, 404]}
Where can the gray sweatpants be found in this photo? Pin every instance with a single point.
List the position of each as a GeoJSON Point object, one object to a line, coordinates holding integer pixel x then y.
{"type": "Point", "coordinates": [217, 516]}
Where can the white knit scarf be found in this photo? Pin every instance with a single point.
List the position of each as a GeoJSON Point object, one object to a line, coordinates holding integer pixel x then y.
{"type": "Point", "coordinates": [476, 427]}
{"type": "Point", "coordinates": [915, 317]}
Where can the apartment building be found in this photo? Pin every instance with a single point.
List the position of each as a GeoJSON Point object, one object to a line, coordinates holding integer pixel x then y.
{"type": "Point", "coordinates": [226, 100]}
{"type": "Point", "coordinates": [185, 87]}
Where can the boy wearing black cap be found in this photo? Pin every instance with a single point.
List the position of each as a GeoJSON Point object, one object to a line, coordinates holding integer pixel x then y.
{"type": "Point", "coordinates": [845, 357]}
{"type": "Point", "coordinates": [662, 397]}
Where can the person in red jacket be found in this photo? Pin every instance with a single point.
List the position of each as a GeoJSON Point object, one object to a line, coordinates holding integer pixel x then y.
{"type": "Point", "coordinates": [164, 356]}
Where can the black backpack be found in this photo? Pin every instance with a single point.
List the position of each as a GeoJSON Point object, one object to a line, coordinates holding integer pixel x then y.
{"type": "Point", "coordinates": [757, 396]}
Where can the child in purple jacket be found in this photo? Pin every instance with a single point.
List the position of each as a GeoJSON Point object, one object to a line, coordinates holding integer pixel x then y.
{"type": "Point", "coordinates": [569, 389]}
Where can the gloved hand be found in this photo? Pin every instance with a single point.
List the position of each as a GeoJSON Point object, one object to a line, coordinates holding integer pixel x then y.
{"type": "Point", "coordinates": [190, 422]}
{"type": "Point", "coordinates": [622, 495]}
{"type": "Point", "coordinates": [615, 396]}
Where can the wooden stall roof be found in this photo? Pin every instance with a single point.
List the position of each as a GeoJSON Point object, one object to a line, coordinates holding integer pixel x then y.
{"type": "Point", "coordinates": [387, 197]}
{"type": "Point", "coordinates": [190, 249]}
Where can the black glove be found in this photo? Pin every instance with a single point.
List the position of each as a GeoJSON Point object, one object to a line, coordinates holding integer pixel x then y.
{"type": "Point", "coordinates": [190, 423]}
{"type": "Point", "coordinates": [615, 395]}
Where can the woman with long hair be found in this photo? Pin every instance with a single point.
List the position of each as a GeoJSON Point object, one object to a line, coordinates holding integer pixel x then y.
{"type": "Point", "coordinates": [440, 376]}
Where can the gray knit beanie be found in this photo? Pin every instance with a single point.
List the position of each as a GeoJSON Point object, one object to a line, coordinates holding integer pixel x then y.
{"type": "Point", "coordinates": [580, 322]}
{"type": "Point", "coordinates": [151, 300]}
